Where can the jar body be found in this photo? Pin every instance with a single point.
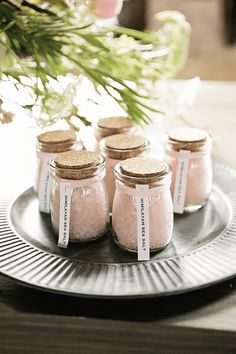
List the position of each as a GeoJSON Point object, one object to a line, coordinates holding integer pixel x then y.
{"type": "Point", "coordinates": [111, 162]}
{"type": "Point", "coordinates": [89, 211]}
{"type": "Point", "coordinates": [199, 179]}
{"type": "Point", "coordinates": [110, 179]}
{"type": "Point", "coordinates": [42, 166]}
{"type": "Point", "coordinates": [42, 158]}
{"type": "Point", "coordinates": [124, 218]}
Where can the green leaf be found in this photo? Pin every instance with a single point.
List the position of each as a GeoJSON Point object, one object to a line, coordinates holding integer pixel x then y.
{"type": "Point", "coordinates": [144, 36]}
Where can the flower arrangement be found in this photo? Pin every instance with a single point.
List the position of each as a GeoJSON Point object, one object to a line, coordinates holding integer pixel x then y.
{"type": "Point", "coordinates": [40, 42]}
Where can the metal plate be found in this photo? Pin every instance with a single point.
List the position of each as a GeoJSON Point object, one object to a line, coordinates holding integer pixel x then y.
{"type": "Point", "coordinates": [202, 251]}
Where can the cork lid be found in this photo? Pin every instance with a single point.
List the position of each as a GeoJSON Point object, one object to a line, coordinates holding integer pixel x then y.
{"type": "Point", "coordinates": [191, 139]}
{"type": "Point", "coordinates": [56, 141]}
{"type": "Point", "coordinates": [57, 136]}
{"type": "Point", "coordinates": [77, 165]}
{"type": "Point", "coordinates": [144, 167]}
{"type": "Point", "coordinates": [77, 159]}
{"type": "Point", "coordinates": [124, 146]}
{"type": "Point", "coordinates": [115, 123]}
{"type": "Point", "coordinates": [125, 141]}
{"type": "Point", "coordinates": [188, 135]}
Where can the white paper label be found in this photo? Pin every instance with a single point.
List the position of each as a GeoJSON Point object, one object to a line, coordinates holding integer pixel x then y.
{"type": "Point", "coordinates": [142, 207]}
{"type": "Point", "coordinates": [45, 186]}
{"type": "Point", "coordinates": [181, 181]}
{"type": "Point", "coordinates": [64, 222]}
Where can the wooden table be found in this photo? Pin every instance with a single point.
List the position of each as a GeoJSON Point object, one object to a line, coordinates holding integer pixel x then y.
{"type": "Point", "coordinates": [204, 321]}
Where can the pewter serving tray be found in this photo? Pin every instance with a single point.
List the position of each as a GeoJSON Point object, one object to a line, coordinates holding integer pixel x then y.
{"type": "Point", "coordinates": [202, 251]}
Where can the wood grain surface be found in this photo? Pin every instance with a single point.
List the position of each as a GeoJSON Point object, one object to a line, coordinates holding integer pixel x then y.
{"type": "Point", "coordinates": [32, 321]}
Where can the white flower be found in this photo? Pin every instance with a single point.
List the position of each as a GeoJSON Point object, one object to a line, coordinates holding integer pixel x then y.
{"type": "Point", "coordinates": [57, 105]}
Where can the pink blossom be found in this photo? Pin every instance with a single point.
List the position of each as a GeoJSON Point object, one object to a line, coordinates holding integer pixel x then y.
{"type": "Point", "coordinates": [108, 8]}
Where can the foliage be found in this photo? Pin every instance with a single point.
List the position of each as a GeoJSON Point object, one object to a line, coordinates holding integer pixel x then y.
{"type": "Point", "coordinates": [41, 41]}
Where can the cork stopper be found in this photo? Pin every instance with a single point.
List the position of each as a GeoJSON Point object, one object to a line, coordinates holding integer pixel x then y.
{"type": "Point", "coordinates": [185, 138]}
{"type": "Point", "coordinates": [115, 123]}
{"type": "Point", "coordinates": [124, 146]}
{"type": "Point", "coordinates": [56, 140]}
{"type": "Point", "coordinates": [188, 135]}
{"type": "Point", "coordinates": [143, 170]}
{"type": "Point", "coordinates": [144, 167]}
{"type": "Point", "coordinates": [57, 136]}
{"type": "Point", "coordinates": [125, 141]}
{"type": "Point", "coordinates": [77, 164]}
{"type": "Point", "coordinates": [77, 159]}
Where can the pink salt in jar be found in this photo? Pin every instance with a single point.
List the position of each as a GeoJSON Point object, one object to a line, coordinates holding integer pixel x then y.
{"type": "Point", "coordinates": [50, 144]}
{"type": "Point", "coordinates": [142, 218]}
{"type": "Point", "coordinates": [188, 150]}
{"type": "Point", "coordinates": [79, 201]}
{"type": "Point", "coordinates": [112, 126]}
{"type": "Point", "coordinates": [120, 147]}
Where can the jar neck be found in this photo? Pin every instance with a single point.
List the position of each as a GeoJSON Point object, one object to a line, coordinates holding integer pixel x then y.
{"type": "Point", "coordinates": [150, 192]}
{"type": "Point", "coordinates": [78, 183]}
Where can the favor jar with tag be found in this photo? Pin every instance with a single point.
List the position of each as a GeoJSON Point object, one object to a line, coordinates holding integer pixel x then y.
{"type": "Point", "coordinates": [113, 125]}
{"type": "Point", "coordinates": [49, 144]}
{"type": "Point", "coordinates": [188, 150]}
{"type": "Point", "coordinates": [120, 147]}
{"type": "Point", "coordinates": [79, 202]}
{"type": "Point", "coordinates": [142, 218]}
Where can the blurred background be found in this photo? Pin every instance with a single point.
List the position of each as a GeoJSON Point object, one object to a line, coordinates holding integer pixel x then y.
{"type": "Point", "coordinates": [213, 41]}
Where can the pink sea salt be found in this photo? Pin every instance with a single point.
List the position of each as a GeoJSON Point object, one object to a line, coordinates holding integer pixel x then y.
{"type": "Point", "coordinates": [160, 207]}
{"type": "Point", "coordinates": [83, 173]}
{"type": "Point", "coordinates": [199, 173]}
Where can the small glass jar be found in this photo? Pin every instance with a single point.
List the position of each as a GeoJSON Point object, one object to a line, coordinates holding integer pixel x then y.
{"type": "Point", "coordinates": [142, 196]}
{"type": "Point", "coordinates": [188, 151]}
{"type": "Point", "coordinates": [49, 144]}
{"type": "Point", "coordinates": [112, 126]}
{"type": "Point", "coordinates": [120, 147]}
{"type": "Point", "coordinates": [79, 202]}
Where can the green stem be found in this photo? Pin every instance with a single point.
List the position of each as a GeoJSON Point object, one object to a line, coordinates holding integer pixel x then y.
{"type": "Point", "coordinates": [37, 8]}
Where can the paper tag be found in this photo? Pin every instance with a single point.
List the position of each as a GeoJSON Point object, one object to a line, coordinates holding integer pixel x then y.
{"type": "Point", "coordinates": [66, 191]}
{"type": "Point", "coordinates": [181, 181]}
{"type": "Point", "coordinates": [142, 207]}
{"type": "Point", "coordinates": [44, 186]}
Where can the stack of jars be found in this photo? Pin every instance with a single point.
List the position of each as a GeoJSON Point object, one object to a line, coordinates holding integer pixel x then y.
{"type": "Point", "coordinates": [80, 188]}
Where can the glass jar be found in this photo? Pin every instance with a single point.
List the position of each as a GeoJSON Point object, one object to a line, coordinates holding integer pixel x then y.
{"type": "Point", "coordinates": [49, 144]}
{"type": "Point", "coordinates": [79, 202]}
{"type": "Point", "coordinates": [120, 147]}
{"type": "Point", "coordinates": [142, 218]}
{"type": "Point", "coordinates": [188, 151]}
{"type": "Point", "coordinates": [112, 126]}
